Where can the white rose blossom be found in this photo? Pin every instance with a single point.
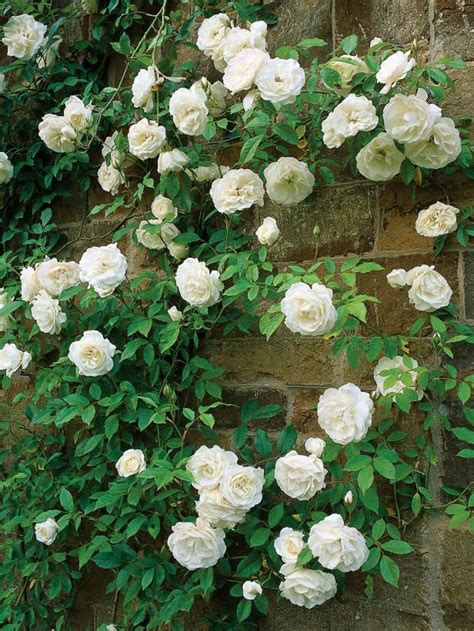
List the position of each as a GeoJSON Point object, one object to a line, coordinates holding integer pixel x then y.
{"type": "Point", "coordinates": [352, 115]}
{"type": "Point", "coordinates": [289, 544]}
{"type": "Point", "coordinates": [77, 114]}
{"type": "Point", "coordinates": [103, 268]}
{"type": "Point", "coordinates": [23, 36]}
{"type": "Point", "coordinates": [6, 168]}
{"type": "Point", "coordinates": [188, 108]}
{"type": "Point", "coordinates": [4, 301]}
{"type": "Point", "coordinates": [143, 87]}
{"type": "Point", "coordinates": [429, 290]}
{"type": "Point", "coordinates": [110, 178]}
{"type": "Point", "coordinates": [337, 546]}
{"type": "Point", "coordinates": [436, 220]}
{"type": "Point", "coordinates": [197, 285]}
{"type": "Point", "coordinates": [268, 232]}
{"type": "Point", "coordinates": [397, 278]}
{"type": "Point", "coordinates": [175, 314]}
{"type": "Point", "coordinates": [207, 466]}
{"type": "Point", "coordinates": [250, 100]}
{"type": "Point", "coordinates": [92, 354]}
{"type": "Point", "coordinates": [410, 118]}
{"type": "Point", "coordinates": [198, 545]}
{"type": "Point", "coordinates": [211, 37]}
{"type": "Point", "coordinates": [385, 364]}
{"type": "Point", "coordinates": [238, 39]}
{"type": "Point", "coordinates": [214, 508]}
{"type": "Point", "coordinates": [315, 446]}
{"type": "Point", "coordinates": [55, 276]}
{"type": "Point", "coordinates": [111, 153]}
{"type": "Point", "coordinates": [146, 139]}
{"type": "Point", "coordinates": [309, 309]}
{"type": "Point", "coordinates": [171, 161]}
{"type": "Point", "coordinates": [346, 66]}
{"type": "Point", "coordinates": [13, 359]}
{"type": "Point", "coordinates": [280, 80]}
{"type": "Point", "coordinates": [131, 462]}
{"type": "Point", "coordinates": [345, 413]}
{"type": "Point", "coordinates": [46, 531]}
{"type": "Point", "coordinates": [393, 69]}
{"type": "Point", "coordinates": [442, 147]}
{"type": "Point", "coordinates": [178, 250]}
{"type": "Point", "coordinates": [163, 208]}
{"type": "Point", "coordinates": [375, 41]}
{"type": "Point", "coordinates": [288, 181]}
{"type": "Point", "coordinates": [379, 160]}
{"type": "Point", "coordinates": [215, 94]}
{"type": "Point", "coordinates": [236, 190]}
{"type": "Point", "coordinates": [156, 240]}
{"type": "Point", "coordinates": [29, 283]}
{"type": "Point", "coordinates": [251, 589]}
{"type": "Point", "coordinates": [208, 173]}
{"type": "Point", "coordinates": [242, 486]}
{"type": "Point", "coordinates": [240, 74]}
{"type": "Point", "coordinates": [57, 134]}
{"type": "Point", "coordinates": [306, 588]}
{"type": "Point", "coordinates": [300, 477]}
{"type": "Point", "coordinates": [47, 313]}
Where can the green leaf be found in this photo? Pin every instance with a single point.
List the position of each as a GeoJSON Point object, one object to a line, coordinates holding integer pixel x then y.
{"type": "Point", "coordinates": [464, 392]}
{"type": "Point", "coordinates": [249, 148]}
{"type": "Point", "coordinates": [243, 609]}
{"type": "Point", "coordinates": [263, 444]}
{"type": "Point", "coordinates": [275, 515]}
{"type": "Point", "coordinates": [416, 504]}
{"type": "Point", "coordinates": [389, 570]}
{"type": "Point", "coordinates": [378, 529]}
{"type": "Point", "coordinates": [313, 42]}
{"type": "Point", "coordinates": [465, 434]}
{"type": "Point", "coordinates": [260, 537]}
{"type": "Point", "coordinates": [249, 566]}
{"type": "Point", "coordinates": [86, 446]}
{"type": "Point", "coordinates": [384, 467]}
{"type": "Point", "coordinates": [397, 547]}
{"type": "Point", "coordinates": [349, 43]}
{"type": "Point", "coordinates": [304, 557]}
{"type": "Point", "coordinates": [66, 500]}
{"type": "Point", "coordinates": [286, 440]}
{"type": "Point", "coordinates": [287, 133]}
{"type": "Point", "coordinates": [365, 478]}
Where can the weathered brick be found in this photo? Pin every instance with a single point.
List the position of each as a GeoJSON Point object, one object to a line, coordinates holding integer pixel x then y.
{"type": "Point", "coordinates": [468, 259]}
{"type": "Point", "coordinates": [453, 32]}
{"type": "Point", "coordinates": [460, 102]}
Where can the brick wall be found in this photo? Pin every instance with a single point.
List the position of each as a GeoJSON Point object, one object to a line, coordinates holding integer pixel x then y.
{"type": "Point", "coordinates": [377, 222]}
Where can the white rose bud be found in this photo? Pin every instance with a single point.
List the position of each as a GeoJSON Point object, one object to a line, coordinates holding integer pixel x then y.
{"type": "Point", "coordinates": [240, 74]}
{"type": "Point", "coordinates": [207, 466]}
{"type": "Point", "coordinates": [397, 278]}
{"type": "Point", "coordinates": [345, 413]}
{"type": "Point", "coordinates": [352, 115]}
{"type": "Point", "coordinates": [236, 190]}
{"type": "Point", "coordinates": [410, 118]}
{"type": "Point", "coordinates": [162, 208]}
{"type": "Point", "coordinates": [300, 477]}
{"type": "Point", "coordinates": [55, 276]}
{"type": "Point", "coordinates": [131, 462]}
{"type": "Point", "coordinates": [197, 285]}
{"type": "Point", "coordinates": [175, 314]}
{"type": "Point", "coordinates": [47, 313]}
{"type": "Point", "coordinates": [92, 354]}
{"type": "Point", "coordinates": [142, 88]}
{"type": "Point", "coordinates": [23, 36]}
{"type": "Point", "coordinates": [171, 161]}
{"type": "Point", "coordinates": [251, 589]}
{"type": "Point", "coordinates": [198, 545]}
{"type": "Point", "coordinates": [178, 250]}
{"type": "Point", "coordinates": [103, 268]}
{"type": "Point", "coordinates": [289, 544]}
{"type": "Point", "coordinates": [336, 546]}
{"type": "Point", "coordinates": [242, 486]}
{"type": "Point", "coordinates": [57, 134]}
{"type": "Point", "coordinates": [436, 220]}
{"type": "Point", "coordinates": [384, 364]}
{"type": "Point", "coordinates": [6, 168]}
{"type": "Point", "coordinates": [309, 309]}
{"type": "Point", "coordinates": [78, 115]}
{"type": "Point", "coordinates": [306, 588]}
{"type": "Point", "coordinates": [12, 359]}
{"type": "Point", "coordinates": [268, 233]}
{"type": "Point", "coordinates": [442, 147]}
{"type": "Point", "coordinates": [375, 41]}
{"type": "Point", "coordinates": [189, 110]}
{"type": "Point", "coordinates": [348, 498]}
{"type": "Point", "coordinates": [46, 531]}
{"type": "Point", "coordinates": [315, 446]}
{"type": "Point", "coordinates": [429, 290]}
{"type": "Point", "coordinates": [379, 160]}
{"type": "Point", "coordinates": [289, 181]}
{"type": "Point", "coordinates": [146, 139]}
{"type": "Point", "coordinates": [393, 69]}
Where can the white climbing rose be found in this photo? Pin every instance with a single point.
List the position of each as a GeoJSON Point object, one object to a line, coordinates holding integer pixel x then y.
{"type": "Point", "coordinates": [386, 363]}
{"type": "Point", "coordinates": [198, 545]}
{"type": "Point", "coordinates": [315, 446]}
{"type": "Point", "coordinates": [131, 462]}
{"type": "Point", "coordinates": [242, 486]}
{"type": "Point", "coordinates": [346, 66]}
{"type": "Point", "coordinates": [163, 208]}
{"type": "Point", "coordinates": [6, 168]}
{"type": "Point", "coordinates": [309, 309]}
{"type": "Point", "coordinates": [4, 301]}
{"type": "Point", "coordinates": [352, 115]}
{"type": "Point", "coordinates": [380, 160]}
{"type": "Point", "coordinates": [410, 118]}
{"type": "Point", "coordinates": [103, 268]}
{"type": "Point", "coordinates": [110, 178]}
{"type": "Point", "coordinates": [280, 80]}
{"type": "Point", "coordinates": [29, 283]}
{"type": "Point", "coordinates": [337, 546]}
{"type": "Point", "coordinates": [436, 220]}
{"type": "Point", "coordinates": [55, 276]}
{"type": "Point", "coordinates": [197, 285]}
{"type": "Point", "coordinates": [207, 466]}
{"type": "Point", "coordinates": [442, 147]}
{"type": "Point", "coordinates": [143, 87]}
{"type": "Point", "coordinates": [236, 190]}
{"type": "Point", "coordinates": [288, 181]}
{"type": "Point", "coordinates": [92, 354]}
{"type": "Point", "coordinates": [13, 359]}
{"type": "Point", "coordinates": [306, 588]}
{"type": "Point", "coordinates": [214, 508]}
{"type": "Point", "coordinates": [241, 72]}
{"type": "Point", "coordinates": [289, 544]}
{"type": "Point", "coordinates": [211, 37]}
{"type": "Point", "coordinates": [393, 69]}
{"type": "Point", "coordinates": [268, 232]}
{"type": "Point", "coordinates": [175, 314]}
{"type": "Point", "coordinates": [238, 39]}
{"type": "Point", "coordinates": [171, 161]}
{"type": "Point", "coordinates": [397, 278]}
{"type": "Point", "coordinates": [251, 589]}
{"type": "Point", "coordinates": [77, 114]}
{"type": "Point", "coordinates": [47, 313]}
{"type": "Point", "coordinates": [188, 108]}
{"type": "Point", "coordinates": [156, 240]}
{"type": "Point", "coordinates": [57, 134]}
{"type": "Point", "coordinates": [300, 477]}
{"type": "Point", "coordinates": [429, 290]}
{"type": "Point", "coordinates": [208, 173]}
{"type": "Point", "coordinates": [146, 139]}
{"type": "Point", "coordinates": [46, 531]}
{"type": "Point", "coordinates": [23, 36]}
{"type": "Point", "coordinates": [345, 413]}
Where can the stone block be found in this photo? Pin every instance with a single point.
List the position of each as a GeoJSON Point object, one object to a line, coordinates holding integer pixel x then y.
{"type": "Point", "coordinates": [303, 411]}
{"type": "Point", "coordinates": [460, 102]}
{"type": "Point", "coordinates": [468, 259]}
{"type": "Point", "coordinates": [454, 27]}
{"type": "Point", "coordinates": [346, 220]}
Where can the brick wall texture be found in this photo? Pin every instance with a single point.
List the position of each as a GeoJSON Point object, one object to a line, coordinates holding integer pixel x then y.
{"type": "Point", "coordinates": [378, 223]}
